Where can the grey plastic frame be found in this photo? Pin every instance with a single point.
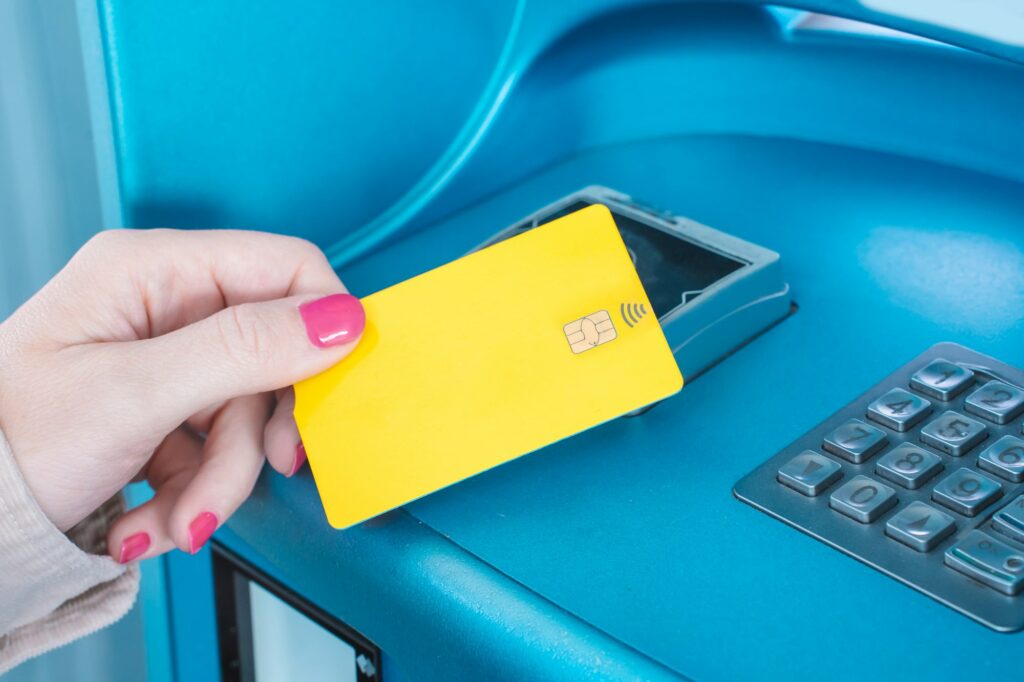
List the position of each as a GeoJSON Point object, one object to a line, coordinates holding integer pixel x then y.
{"type": "Point", "coordinates": [726, 314]}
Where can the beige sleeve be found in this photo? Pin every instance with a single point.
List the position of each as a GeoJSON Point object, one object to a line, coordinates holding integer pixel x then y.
{"type": "Point", "coordinates": [54, 587]}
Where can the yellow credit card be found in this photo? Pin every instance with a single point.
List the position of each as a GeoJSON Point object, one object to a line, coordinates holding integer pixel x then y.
{"type": "Point", "coordinates": [482, 360]}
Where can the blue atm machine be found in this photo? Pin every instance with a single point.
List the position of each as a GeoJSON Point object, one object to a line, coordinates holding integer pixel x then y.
{"type": "Point", "coordinates": [835, 494]}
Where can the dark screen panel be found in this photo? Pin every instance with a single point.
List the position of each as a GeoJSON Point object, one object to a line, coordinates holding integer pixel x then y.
{"type": "Point", "coordinates": [232, 581]}
{"type": "Point", "coordinates": [669, 267]}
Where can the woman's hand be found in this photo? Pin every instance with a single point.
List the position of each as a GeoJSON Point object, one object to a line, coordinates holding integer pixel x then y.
{"type": "Point", "coordinates": [166, 356]}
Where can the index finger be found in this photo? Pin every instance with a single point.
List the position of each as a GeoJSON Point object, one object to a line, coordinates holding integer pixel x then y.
{"type": "Point", "coordinates": [160, 280]}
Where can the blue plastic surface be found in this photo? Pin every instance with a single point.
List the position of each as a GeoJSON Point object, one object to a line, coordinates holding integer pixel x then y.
{"type": "Point", "coordinates": [885, 172]}
{"type": "Point", "coordinates": [353, 124]}
{"type": "Point", "coordinates": [633, 528]}
{"type": "Point", "coordinates": [262, 115]}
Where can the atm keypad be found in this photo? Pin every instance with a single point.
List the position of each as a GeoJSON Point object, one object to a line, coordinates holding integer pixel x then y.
{"type": "Point", "coordinates": [921, 477]}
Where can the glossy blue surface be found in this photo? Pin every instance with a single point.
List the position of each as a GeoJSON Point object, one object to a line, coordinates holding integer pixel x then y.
{"type": "Point", "coordinates": [352, 124]}
{"type": "Point", "coordinates": [436, 611]}
{"type": "Point", "coordinates": [885, 172]}
{"type": "Point", "coordinates": [632, 526]}
{"type": "Point", "coordinates": [255, 115]}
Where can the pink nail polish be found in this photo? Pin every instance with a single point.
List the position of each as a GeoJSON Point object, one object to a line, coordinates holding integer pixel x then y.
{"type": "Point", "coordinates": [132, 547]}
{"type": "Point", "coordinates": [300, 459]}
{"type": "Point", "coordinates": [333, 320]}
{"type": "Point", "coordinates": [200, 530]}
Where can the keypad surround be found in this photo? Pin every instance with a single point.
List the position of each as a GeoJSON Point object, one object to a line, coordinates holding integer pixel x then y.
{"type": "Point", "coordinates": [947, 480]}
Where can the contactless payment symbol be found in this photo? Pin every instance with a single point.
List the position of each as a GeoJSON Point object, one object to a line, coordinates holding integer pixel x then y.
{"type": "Point", "coordinates": [632, 313]}
{"type": "Point", "coordinates": [590, 331]}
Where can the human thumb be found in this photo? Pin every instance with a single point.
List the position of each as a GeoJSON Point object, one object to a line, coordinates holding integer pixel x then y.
{"type": "Point", "coordinates": [244, 349]}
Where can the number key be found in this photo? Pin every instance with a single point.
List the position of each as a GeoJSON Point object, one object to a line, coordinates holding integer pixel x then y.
{"type": "Point", "coordinates": [855, 441]}
{"type": "Point", "coordinates": [863, 499]}
{"type": "Point", "coordinates": [899, 409]}
{"type": "Point", "coordinates": [953, 433]}
{"type": "Point", "coordinates": [966, 491]}
{"type": "Point", "coordinates": [941, 379]}
{"type": "Point", "coordinates": [1004, 458]}
{"type": "Point", "coordinates": [909, 466]}
{"type": "Point", "coordinates": [997, 402]}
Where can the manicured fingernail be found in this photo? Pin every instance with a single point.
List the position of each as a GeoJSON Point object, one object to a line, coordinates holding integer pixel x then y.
{"type": "Point", "coordinates": [300, 459]}
{"type": "Point", "coordinates": [200, 530]}
{"type": "Point", "coordinates": [333, 320]}
{"type": "Point", "coordinates": [132, 547]}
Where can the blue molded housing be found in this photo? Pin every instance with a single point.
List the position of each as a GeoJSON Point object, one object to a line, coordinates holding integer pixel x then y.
{"type": "Point", "coordinates": [885, 170]}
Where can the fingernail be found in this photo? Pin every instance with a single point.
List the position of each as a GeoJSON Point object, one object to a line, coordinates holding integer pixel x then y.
{"type": "Point", "coordinates": [132, 547]}
{"type": "Point", "coordinates": [333, 320]}
{"type": "Point", "coordinates": [300, 459]}
{"type": "Point", "coordinates": [200, 530]}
